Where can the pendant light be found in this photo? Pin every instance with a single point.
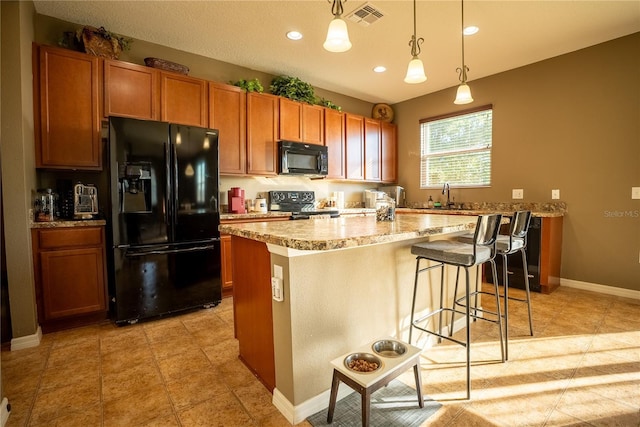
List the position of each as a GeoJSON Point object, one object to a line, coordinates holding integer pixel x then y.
{"type": "Point", "coordinates": [337, 35]}
{"type": "Point", "coordinates": [463, 95]}
{"type": "Point", "coordinates": [415, 70]}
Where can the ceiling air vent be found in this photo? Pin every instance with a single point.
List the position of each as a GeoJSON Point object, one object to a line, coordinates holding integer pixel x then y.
{"type": "Point", "coordinates": [365, 15]}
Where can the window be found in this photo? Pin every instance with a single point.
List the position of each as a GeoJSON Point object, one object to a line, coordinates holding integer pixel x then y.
{"type": "Point", "coordinates": [456, 149]}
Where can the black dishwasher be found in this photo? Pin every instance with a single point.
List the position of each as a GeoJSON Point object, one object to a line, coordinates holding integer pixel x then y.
{"type": "Point", "coordinates": [515, 268]}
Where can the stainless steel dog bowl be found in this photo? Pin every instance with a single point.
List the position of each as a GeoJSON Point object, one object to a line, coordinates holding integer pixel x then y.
{"type": "Point", "coordinates": [366, 357]}
{"type": "Point", "coordinates": [389, 348]}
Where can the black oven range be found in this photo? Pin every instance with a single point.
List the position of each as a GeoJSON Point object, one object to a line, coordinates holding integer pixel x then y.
{"type": "Point", "coordinates": [301, 204]}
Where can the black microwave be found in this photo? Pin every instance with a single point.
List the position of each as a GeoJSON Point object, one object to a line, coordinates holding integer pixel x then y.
{"type": "Point", "coordinates": [298, 158]}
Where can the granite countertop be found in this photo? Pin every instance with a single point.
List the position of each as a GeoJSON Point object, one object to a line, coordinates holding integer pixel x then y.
{"type": "Point", "coordinates": [550, 209]}
{"type": "Point", "coordinates": [68, 223]}
{"type": "Point", "coordinates": [348, 232]}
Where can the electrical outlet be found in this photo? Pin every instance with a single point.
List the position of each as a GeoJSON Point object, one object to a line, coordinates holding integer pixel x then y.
{"type": "Point", "coordinates": [555, 194]}
{"type": "Point", "coordinates": [635, 192]}
{"type": "Point", "coordinates": [277, 292]}
{"type": "Point", "coordinates": [517, 193]}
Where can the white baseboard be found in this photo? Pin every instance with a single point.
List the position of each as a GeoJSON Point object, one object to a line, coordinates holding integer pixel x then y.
{"type": "Point", "coordinates": [4, 412]}
{"type": "Point", "coordinates": [297, 414]}
{"type": "Point", "coordinates": [27, 341]}
{"type": "Point", "coordinates": [603, 289]}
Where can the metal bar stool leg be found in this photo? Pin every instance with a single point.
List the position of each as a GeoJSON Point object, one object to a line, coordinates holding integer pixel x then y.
{"type": "Point", "coordinates": [455, 294]}
{"type": "Point", "coordinates": [498, 311]}
{"type": "Point", "coordinates": [505, 282]}
{"type": "Point", "coordinates": [468, 334]}
{"type": "Point", "coordinates": [526, 287]}
{"type": "Point", "coordinates": [413, 303]}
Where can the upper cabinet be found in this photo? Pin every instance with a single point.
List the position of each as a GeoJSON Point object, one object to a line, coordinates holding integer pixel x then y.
{"type": "Point", "coordinates": [290, 122]}
{"type": "Point", "coordinates": [183, 99]}
{"type": "Point", "coordinates": [67, 102]}
{"type": "Point", "coordinates": [372, 150]}
{"type": "Point", "coordinates": [262, 133]}
{"type": "Point", "coordinates": [131, 90]}
{"type": "Point", "coordinates": [301, 122]}
{"type": "Point", "coordinates": [334, 140]}
{"type": "Point", "coordinates": [227, 113]}
{"type": "Point", "coordinates": [354, 134]}
{"type": "Point", "coordinates": [313, 124]}
{"type": "Point", "coordinates": [389, 142]}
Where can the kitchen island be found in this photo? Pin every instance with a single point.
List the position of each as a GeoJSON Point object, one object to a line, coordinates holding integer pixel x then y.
{"type": "Point", "coordinates": [345, 282]}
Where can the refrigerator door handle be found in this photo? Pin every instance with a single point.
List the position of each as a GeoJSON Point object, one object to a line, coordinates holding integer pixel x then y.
{"type": "Point", "coordinates": [168, 214]}
{"type": "Point", "coordinates": [175, 184]}
{"type": "Point", "coordinates": [167, 251]}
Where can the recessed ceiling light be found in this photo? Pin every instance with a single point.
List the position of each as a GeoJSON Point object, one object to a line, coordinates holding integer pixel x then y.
{"type": "Point", "coordinates": [294, 35]}
{"type": "Point", "coordinates": [379, 69]}
{"type": "Point", "coordinates": [470, 30]}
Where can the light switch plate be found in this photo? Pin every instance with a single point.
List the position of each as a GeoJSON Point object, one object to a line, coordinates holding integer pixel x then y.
{"type": "Point", "coordinates": [635, 192]}
{"type": "Point", "coordinates": [555, 194]}
{"type": "Point", "coordinates": [276, 289]}
{"type": "Point", "coordinates": [517, 193]}
{"type": "Point", "coordinates": [277, 271]}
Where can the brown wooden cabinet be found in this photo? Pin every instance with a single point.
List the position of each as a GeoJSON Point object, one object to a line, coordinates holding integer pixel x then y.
{"type": "Point", "coordinates": [354, 134]}
{"type": "Point", "coordinates": [227, 265]}
{"type": "Point", "coordinates": [183, 100]}
{"type": "Point", "coordinates": [372, 150]}
{"type": "Point", "coordinates": [389, 143]}
{"type": "Point", "coordinates": [66, 104]}
{"type": "Point", "coordinates": [313, 124]}
{"type": "Point", "coordinates": [70, 275]}
{"type": "Point", "coordinates": [262, 133]}
{"type": "Point", "coordinates": [334, 140]}
{"type": "Point", "coordinates": [301, 122]}
{"type": "Point", "coordinates": [131, 90]}
{"type": "Point", "coordinates": [227, 113]}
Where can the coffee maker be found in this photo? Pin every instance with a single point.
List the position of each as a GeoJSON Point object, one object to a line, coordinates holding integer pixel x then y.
{"type": "Point", "coordinates": [236, 200]}
{"type": "Point", "coordinates": [396, 193]}
{"type": "Point", "coordinates": [85, 201]}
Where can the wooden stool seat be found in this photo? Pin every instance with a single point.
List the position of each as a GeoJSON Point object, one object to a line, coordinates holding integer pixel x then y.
{"type": "Point", "coordinates": [367, 383]}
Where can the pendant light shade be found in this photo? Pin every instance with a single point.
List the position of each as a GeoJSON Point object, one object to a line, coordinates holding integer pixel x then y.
{"type": "Point", "coordinates": [463, 95]}
{"type": "Point", "coordinates": [415, 70]}
{"type": "Point", "coordinates": [337, 35]}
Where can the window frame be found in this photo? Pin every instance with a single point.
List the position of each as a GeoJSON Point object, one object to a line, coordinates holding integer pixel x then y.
{"type": "Point", "coordinates": [447, 116]}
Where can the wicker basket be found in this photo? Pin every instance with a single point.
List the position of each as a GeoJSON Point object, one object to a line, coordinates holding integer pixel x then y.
{"type": "Point", "coordinates": [96, 41]}
{"type": "Point", "coordinates": [166, 65]}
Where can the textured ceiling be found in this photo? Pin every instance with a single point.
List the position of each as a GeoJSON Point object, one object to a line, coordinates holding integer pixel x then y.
{"type": "Point", "coordinates": [252, 34]}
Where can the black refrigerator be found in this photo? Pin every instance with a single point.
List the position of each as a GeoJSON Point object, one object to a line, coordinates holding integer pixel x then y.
{"type": "Point", "coordinates": [164, 219]}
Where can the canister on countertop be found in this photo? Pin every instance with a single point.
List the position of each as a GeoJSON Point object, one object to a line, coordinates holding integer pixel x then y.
{"type": "Point", "coordinates": [45, 206]}
{"type": "Point", "coordinates": [260, 205]}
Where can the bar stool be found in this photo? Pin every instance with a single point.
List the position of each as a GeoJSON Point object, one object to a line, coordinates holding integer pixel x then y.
{"type": "Point", "coordinates": [459, 254]}
{"type": "Point", "coordinates": [515, 241]}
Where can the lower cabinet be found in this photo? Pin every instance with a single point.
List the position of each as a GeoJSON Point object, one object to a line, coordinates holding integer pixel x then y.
{"type": "Point", "coordinates": [70, 275]}
{"type": "Point", "coordinates": [544, 256]}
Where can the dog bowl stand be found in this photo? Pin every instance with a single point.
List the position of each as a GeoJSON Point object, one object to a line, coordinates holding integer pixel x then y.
{"type": "Point", "coordinates": [366, 383]}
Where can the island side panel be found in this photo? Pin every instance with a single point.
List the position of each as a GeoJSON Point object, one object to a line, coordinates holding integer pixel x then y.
{"type": "Point", "coordinates": [252, 307]}
{"type": "Point", "coordinates": [336, 301]}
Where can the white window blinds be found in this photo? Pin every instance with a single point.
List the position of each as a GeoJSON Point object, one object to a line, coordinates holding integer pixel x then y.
{"type": "Point", "coordinates": [456, 149]}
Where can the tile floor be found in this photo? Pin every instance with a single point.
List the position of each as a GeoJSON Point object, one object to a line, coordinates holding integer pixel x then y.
{"type": "Point", "coordinates": [582, 368]}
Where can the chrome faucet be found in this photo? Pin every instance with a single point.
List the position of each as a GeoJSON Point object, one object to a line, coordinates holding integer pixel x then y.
{"type": "Point", "coordinates": [446, 189]}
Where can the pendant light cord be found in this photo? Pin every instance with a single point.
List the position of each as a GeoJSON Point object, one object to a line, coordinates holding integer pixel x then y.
{"type": "Point", "coordinates": [415, 42]}
{"type": "Point", "coordinates": [462, 71]}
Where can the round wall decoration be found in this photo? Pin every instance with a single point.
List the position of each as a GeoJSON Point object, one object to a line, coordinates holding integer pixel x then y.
{"type": "Point", "coordinates": [382, 112]}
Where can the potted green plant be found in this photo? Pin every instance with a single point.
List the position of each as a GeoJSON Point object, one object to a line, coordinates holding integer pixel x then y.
{"type": "Point", "coordinates": [252, 85]}
{"type": "Point", "coordinates": [293, 88]}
